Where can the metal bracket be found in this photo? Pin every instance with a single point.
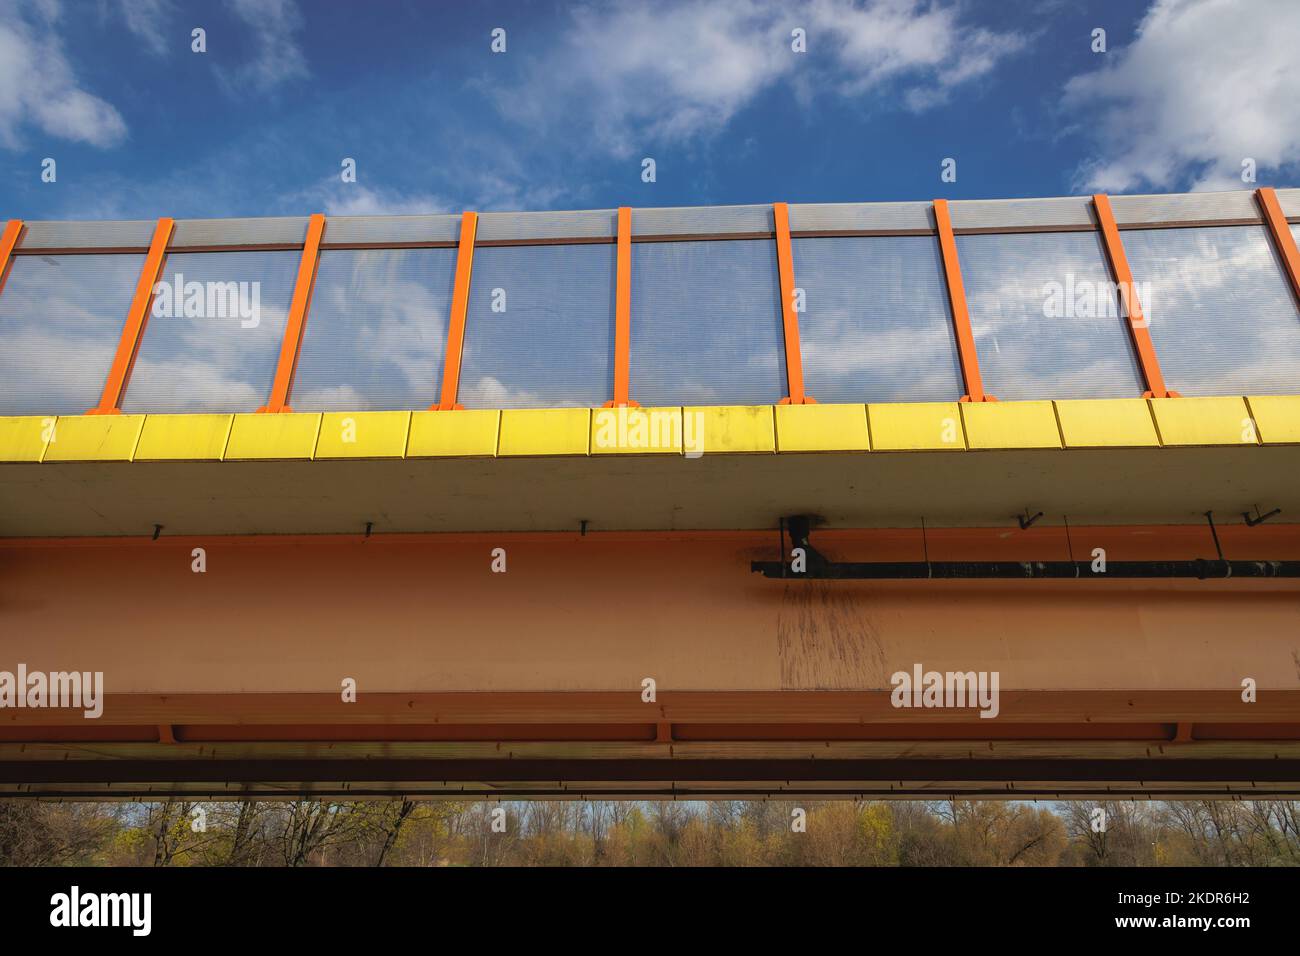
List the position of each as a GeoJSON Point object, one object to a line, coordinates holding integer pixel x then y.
{"type": "Point", "coordinates": [1026, 521]}
{"type": "Point", "coordinates": [819, 567]}
{"type": "Point", "coordinates": [1259, 518]}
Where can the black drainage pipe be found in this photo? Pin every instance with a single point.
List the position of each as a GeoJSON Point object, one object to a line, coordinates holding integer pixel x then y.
{"type": "Point", "coordinates": [976, 570]}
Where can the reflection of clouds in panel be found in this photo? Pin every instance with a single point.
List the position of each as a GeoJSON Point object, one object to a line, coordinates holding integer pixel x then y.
{"type": "Point", "coordinates": [377, 333]}
{"type": "Point", "coordinates": [213, 363]}
{"type": "Point", "coordinates": [48, 373]}
{"type": "Point", "coordinates": [1027, 348]}
{"type": "Point", "coordinates": [334, 398]}
{"type": "Point", "coordinates": [1225, 321]}
{"type": "Point", "coordinates": [194, 385]}
{"type": "Point", "coordinates": [487, 392]}
{"type": "Point", "coordinates": [552, 346]}
{"type": "Point", "coordinates": [60, 321]}
{"type": "Point", "coordinates": [706, 323]}
{"type": "Point", "coordinates": [876, 326]}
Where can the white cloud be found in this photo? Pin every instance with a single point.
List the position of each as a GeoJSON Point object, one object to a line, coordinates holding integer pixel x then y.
{"type": "Point", "coordinates": [1204, 85]}
{"type": "Point", "coordinates": [889, 39]}
{"type": "Point", "coordinates": [39, 88]}
{"type": "Point", "coordinates": [147, 19]}
{"type": "Point", "coordinates": [487, 392]}
{"type": "Point", "coordinates": [278, 58]}
{"type": "Point", "coordinates": [641, 73]}
{"type": "Point", "coordinates": [352, 199]}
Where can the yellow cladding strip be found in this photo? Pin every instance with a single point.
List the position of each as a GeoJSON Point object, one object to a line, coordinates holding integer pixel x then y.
{"type": "Point", "coordinates": [727, 429]}
{"type": "Point", "coordinates": [1204, 421]}
{"type": "Point", "coordinates": [184, 437]}
{"type": "Point", "coordinates": [731, 429]}
{"type": "Point", "coordinates": [545, 431]}
{"type": "Point", "coordinates": [464, 433]}
{"type": "Point", "coordinates": [822, 428]}
{"type": "Point", "coordinates": [24, 439]}
{"type": "Point", "coordinates": [94, 438]}
{"type": "Point", "coordinates": [273, 437]}
{"type": "Point", "coordinates": [916, 426]}
{"type": "Point", "coordinates": [363, 435]}
{"type": "Point", "coordinates": [1277, 418]}
{"type": "Point", "coordinates": [639, 431]}
{"type": "Point", "coordinates": [991, 425]}
{"type": "Point", "coordinates": [1107, 423]}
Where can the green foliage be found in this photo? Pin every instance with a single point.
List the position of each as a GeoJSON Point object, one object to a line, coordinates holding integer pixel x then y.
{"type": "Point", "coordinates": [722, 833]}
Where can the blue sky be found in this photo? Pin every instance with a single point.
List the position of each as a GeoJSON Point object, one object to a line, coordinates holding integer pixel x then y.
{"type": "Point", "coordinates": [141, 126]}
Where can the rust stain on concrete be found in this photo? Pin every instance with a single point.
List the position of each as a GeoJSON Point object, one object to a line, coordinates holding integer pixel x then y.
{"type": "Point", "coordinates": [827, 640]}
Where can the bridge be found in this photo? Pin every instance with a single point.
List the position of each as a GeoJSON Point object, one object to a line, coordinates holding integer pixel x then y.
{"type": "Point", "coordinates": [656, 502]}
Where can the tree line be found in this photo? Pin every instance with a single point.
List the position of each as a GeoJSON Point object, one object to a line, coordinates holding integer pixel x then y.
{"type": "Point", "coordinates": [403, 832]}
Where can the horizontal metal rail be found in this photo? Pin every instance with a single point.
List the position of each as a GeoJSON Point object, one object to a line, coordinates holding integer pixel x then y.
{"type": "Point", "coordinates": [978, 570]}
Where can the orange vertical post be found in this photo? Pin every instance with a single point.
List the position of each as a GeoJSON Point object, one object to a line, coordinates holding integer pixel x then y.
{"type": "Point", "coordinates": [299, 306]}
{"type": "Point", "coordinates": [789, 317]}
{"type": "Point", "coordinates": [623, 314]}
{"type": "Point", "coordinates": [1137, 321]}
{"type": "Point", "coordinates": [137, 318]}
{"type": "Point", "coordinates": [966, 354]}
{"type": "Point", "coordinates": [1283, 239]}
{"type": "Point", "coordinates": [8, 240]}
{"type": "Point", "coordinates": [459, 308]}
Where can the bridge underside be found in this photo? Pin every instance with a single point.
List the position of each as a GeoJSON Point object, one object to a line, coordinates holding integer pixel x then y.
{"type": "Point", "coordinates": [474, 683]}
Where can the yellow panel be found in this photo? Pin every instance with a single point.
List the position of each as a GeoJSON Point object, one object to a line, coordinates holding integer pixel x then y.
{"type": "Point", "coordinates": [463, 433]}
{"type": "Point", "coordinates": [24, 439]}
{"type": "Point", "coordinates": [1203, 421]}
{"type": "Point", "coordinates": [545, 431]}
{"type": "Point", "coordinates": [94, 438]}
{"type": "Point", "coordinates": [1107, 423]}
{"type": "Point", "coordinates": [1010, 425]}
{"type": "Point", "coordinates": [363, 435]}
{"type": "Point", "coordinates": [183, 437]}
{"type": "Point", "coordinates": [729, 429]}
{"type": "Point", "coordinates": [821, 428]}
{"type": "Point", "coordinates": [636, 431]}
{"type": "Point", "coordinates": [275, 436]}
{"type": "Point", "coordinates": [916, 426]}
{"type": "Point", "coordinates": [1277, 418]}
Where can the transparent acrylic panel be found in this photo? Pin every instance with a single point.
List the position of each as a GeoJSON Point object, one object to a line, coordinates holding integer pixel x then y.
{"type": "Point", "coordinates": [876, 326]}
{"type": "Point", "coordinates": [863, 216]}
{"type": "Point", "coordinates": [237, 232]}
{"type": "Point", "coordinates": [1046, 318]}
{"type": "Point", "coordinates": [377, 332]}
{"type": "Point", "coordinates": [514, 226]}
{"type": "Point", "coordinates": [539, 332]}
{"type": "Point", "coordinates": [1223, 318]}
{"type": "Point", "coordinates": [995, 213]}
{"type": "Point", "coordinates": [706, 323]}
{"type": "Point", "coordinates": [1177, 207]}
{"type": "Point", "coordinates": [61, 318]}
{"type": "Point", "coordinates": [214, 333]}
{"type": "Point", "coordinates": [88, 235]}
{"type": "Point", "coordinates": [701, 220]}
